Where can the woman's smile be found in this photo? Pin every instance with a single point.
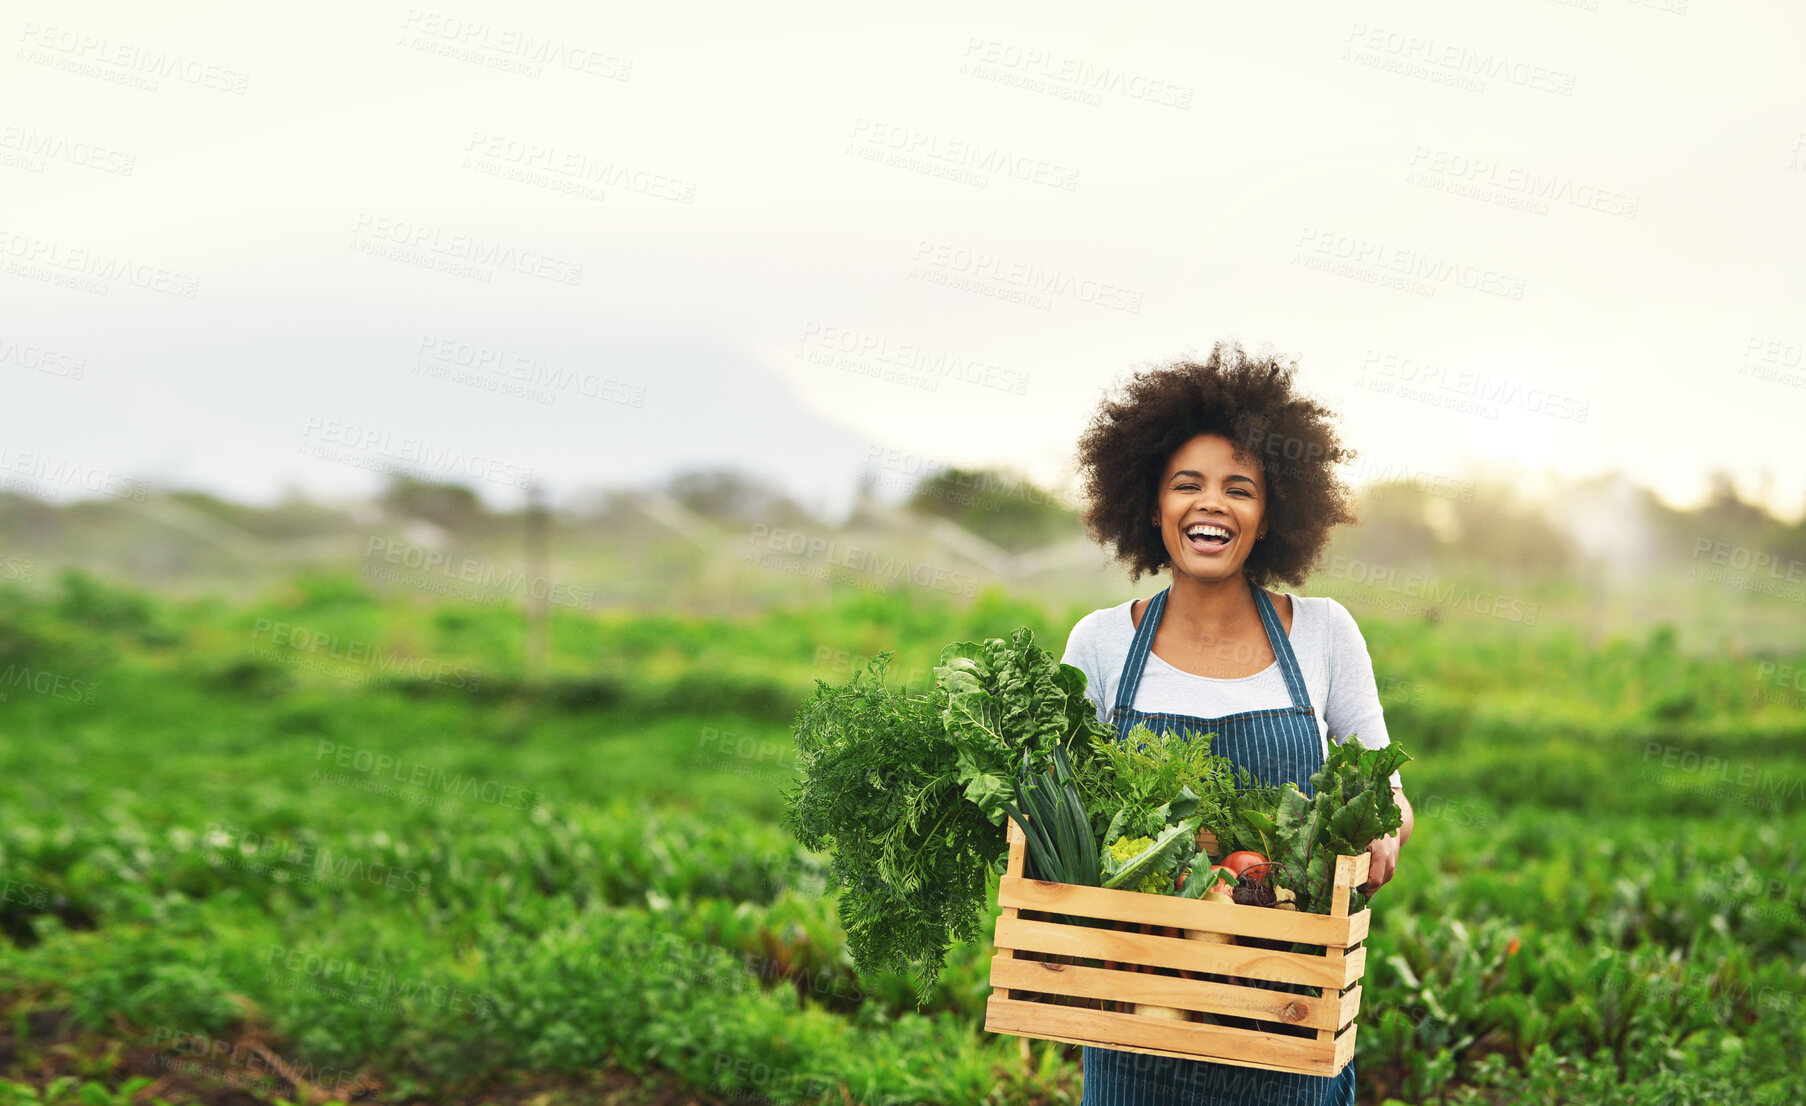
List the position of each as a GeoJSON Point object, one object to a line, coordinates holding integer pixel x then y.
{"type": "Point", "coordinates": [1209, 538]}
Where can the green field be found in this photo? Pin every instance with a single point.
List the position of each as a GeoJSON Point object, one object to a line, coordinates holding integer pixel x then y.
{"type": "Point", "coordinates": [330, 845]}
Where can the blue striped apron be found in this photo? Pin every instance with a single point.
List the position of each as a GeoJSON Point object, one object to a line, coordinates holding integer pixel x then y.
{"type": "Point", "coordinates": [1275, 746]}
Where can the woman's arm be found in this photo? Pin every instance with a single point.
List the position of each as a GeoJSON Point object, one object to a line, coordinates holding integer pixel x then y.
{"type": "Point", "coordinates": [1384, 850]}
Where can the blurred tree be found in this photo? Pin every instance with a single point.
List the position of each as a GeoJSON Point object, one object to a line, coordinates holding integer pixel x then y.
{"type": "Point", "coordinates": [1394, 529]}
{"type": "Point", "coordinates": [1005, 509]}
{"type": "Point", "coordinates": [1496, 531]}
{"type": "Point", "coordinates": [1726, 517]}
{"type": "Point", "coordinates": [451, 506]}
{"type": "Point", "coordinates": [728, 494]}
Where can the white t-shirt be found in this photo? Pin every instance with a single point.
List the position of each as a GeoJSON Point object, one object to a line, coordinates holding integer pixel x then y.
{"type": "Point", "coordinates": [1332, 657]}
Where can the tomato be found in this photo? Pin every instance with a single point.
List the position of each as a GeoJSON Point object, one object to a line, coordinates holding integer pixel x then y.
{"type": "Point", "coordinates": [1247, 865]}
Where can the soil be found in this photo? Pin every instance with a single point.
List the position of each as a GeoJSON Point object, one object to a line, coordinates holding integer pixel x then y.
{"type": "Point", "coordinates": [247, 1068]}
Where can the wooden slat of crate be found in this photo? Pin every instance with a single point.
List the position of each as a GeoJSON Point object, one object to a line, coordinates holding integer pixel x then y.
{"type": "Point", "coordinates": [1184, 1040]}
{"type": "Point", "coordinates": [1018, 974]}
{"type": "Point", "coordinates": [1169, 910]}
{"type": "Point", "coordinates": [1052, 938]}
{"type": "Point", "coordinates": [1012, 871]}
{"type": "Point", "coordinates": [1078, 981]}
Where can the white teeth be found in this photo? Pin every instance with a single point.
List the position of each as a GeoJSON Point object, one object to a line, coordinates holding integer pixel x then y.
{"type": "Point", "coordinates": [1205, 530]}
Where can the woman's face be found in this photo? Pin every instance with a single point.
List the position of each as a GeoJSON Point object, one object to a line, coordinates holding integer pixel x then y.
{"type": "Point", "coordinates": [1212, 508]}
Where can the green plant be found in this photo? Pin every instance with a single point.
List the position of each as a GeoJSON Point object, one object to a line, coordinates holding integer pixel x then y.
{"type": "Point", "coordinates": [1005, 699]}
{"type": "Point", "coordinates": [880, 791]}
{"type": "Point", "coordinates": [1059, 844]}
{"type": "Point", "coordinates": [1140, 785]}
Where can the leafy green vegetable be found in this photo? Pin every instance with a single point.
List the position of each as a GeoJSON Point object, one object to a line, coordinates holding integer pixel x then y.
{"type": "Point", "coordinates": [1199, 878]}
{"type": "Point", "coordinates": [1147, 864]}
{"type": "Point", "coordinates": [1353, 804]}
{"type": "Point", "coordinates": [909, 792]}
{"type": "Point", "coordinates": [1244, 818]}
{"type": "Point", "coordinates": [1000, 698]}
{"type": "Point", "coordinates": [881, 790]}
{"type": "Point", "coordinates": [1141, 785]}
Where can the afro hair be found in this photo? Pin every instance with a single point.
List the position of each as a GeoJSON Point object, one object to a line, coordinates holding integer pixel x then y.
{"type": "Point", "coordinates": [1252, 401]}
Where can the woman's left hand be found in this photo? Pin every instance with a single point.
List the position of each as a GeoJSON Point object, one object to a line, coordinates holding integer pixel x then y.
{"type": "Point", "coordinates": [1383, 862]}
{"type": "Point", "coordinates": [1383, 851]}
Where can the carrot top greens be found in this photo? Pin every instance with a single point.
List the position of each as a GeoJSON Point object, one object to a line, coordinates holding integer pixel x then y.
{"type": "Point", "coordinates": [909, 792]}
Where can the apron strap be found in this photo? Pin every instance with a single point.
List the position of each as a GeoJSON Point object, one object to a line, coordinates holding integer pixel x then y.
{"type": "Point", "coordinates": [1282, 649]}
{"type": "Point", "coordinates": [1137, 660]}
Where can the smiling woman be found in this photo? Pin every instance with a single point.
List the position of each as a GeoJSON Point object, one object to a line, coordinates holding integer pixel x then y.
{"type": "Point", "coordinates": [1221, 472]}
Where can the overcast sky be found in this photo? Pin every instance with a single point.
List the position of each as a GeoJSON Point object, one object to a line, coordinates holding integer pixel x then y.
{"type": "Point", "coordinates": [248, 249]}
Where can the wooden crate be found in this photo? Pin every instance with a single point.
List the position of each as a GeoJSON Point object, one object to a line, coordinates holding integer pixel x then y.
{"type": "Point", "coordinates": [1053, 980]}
